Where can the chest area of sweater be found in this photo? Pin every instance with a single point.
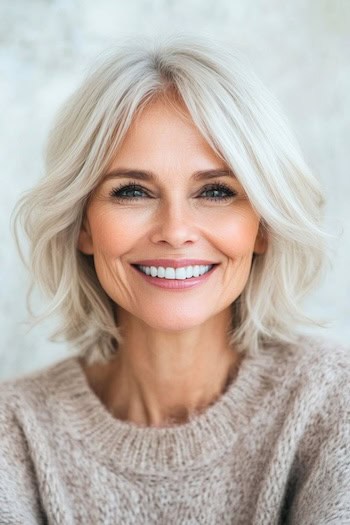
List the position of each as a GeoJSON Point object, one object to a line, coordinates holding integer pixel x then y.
{"type": "Point", "coordinates": [88, 490]}
{"type": "Point", "coordinates": [213, 493]}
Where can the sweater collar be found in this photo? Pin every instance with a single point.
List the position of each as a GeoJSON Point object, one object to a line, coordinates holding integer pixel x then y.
{"type": "Point", "coordinates": [203, 438]}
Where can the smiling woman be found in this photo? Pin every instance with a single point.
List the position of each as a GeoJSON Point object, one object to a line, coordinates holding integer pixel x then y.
{"type": "Point", "coordinates": [175, 215]}
{"type": "Point", "coordinates": [176, 231]}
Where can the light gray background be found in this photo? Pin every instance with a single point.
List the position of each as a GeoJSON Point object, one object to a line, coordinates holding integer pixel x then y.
{"type": "Point", "coordinates": [299, 48]}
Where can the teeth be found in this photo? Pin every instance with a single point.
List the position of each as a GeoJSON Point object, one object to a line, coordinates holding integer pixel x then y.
{"type": "Point", "coordinates": [170, 273]}
{"type": "Point", "coordinates": [175, 273]}
{"type": "Point", "coordinates": [160, 273]}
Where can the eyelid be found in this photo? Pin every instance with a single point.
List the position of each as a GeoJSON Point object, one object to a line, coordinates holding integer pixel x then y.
{"type": "Point", "coordinates": [127, 185]}
{"type": "Point", "coordinates": [219, 186]}
{"type": "Point", "coordinates": [137, 184]}
{"type": "Point", "coordinates": [132, 185]}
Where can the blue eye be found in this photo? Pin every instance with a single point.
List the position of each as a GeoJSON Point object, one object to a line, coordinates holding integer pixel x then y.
{"type": "Point", "coordinates": [118, 192]}
{"type": "Point", "coordinates": [220, 188]}
{"type": "Point", "coordinates": [121, 192]}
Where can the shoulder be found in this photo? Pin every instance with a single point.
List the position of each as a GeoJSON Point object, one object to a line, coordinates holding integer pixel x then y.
{"type": "Point", "coordinates": [16, 390]}
{"type": "Point", "coordinates": [29, 394]}
{"type": "Point", "coordinates": [315, 429]}
{"type": "Point", "coordinates": [313, 356]}
{"type": "Point", "coordinates": [315, 374]}
{"type": "Point", "coordinates": [312, 374]}
{"type": "Point", "coordinates": [25, 424]}
{"type": "Point", "coordinates": [322, 358]}
{"type": "Point", "coordinates": [28, 408]}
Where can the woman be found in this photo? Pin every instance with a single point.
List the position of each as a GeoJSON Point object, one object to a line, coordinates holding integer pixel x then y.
{"type": "Point", "coordinates": [176, 230]}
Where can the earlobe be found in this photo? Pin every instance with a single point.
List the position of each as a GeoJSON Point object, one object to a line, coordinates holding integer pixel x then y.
{"type": "Point", "coordinates": [85, 244]}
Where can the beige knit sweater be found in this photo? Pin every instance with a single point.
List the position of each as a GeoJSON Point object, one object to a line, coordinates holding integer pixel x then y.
{"type": "Point", "coordinates": [273, 449]}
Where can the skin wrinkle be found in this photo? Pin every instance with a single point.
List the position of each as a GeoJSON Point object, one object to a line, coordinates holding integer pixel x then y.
{"type": "Point", "coordinates": [175, 360]}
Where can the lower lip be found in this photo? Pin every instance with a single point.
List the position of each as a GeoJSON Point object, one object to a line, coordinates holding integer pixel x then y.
{"type": "Point", "coordinates": [176, 284]}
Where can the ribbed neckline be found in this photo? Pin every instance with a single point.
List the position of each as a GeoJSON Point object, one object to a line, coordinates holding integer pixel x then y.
{"type": "Point", "coordinates": [152, 449]}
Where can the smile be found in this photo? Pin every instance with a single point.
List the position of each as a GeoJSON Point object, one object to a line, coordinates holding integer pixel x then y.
{"type": "Point", "coordinates": [184, 281]}
{"type": "Point", "coordinates": [186, 272]}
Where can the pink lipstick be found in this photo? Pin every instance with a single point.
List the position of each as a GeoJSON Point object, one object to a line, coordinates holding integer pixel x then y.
{"type": "Point", "coordinates": [176, 284]}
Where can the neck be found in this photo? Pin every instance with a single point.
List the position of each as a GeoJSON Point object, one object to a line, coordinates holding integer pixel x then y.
{"type": "Point", "coordinates": [159, 376]}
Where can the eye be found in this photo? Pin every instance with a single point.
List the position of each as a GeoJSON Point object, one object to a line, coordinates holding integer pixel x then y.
{"type": "Point", "coordinates": [133, 192]}
{"type": "Point", "coordinates": [119, 192]}
{"type": "Point", "coordinates": [226, 192]}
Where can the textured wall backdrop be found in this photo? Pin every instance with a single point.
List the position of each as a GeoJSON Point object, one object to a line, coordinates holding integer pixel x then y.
{"type": "Point", "coordinates": [299, 48]}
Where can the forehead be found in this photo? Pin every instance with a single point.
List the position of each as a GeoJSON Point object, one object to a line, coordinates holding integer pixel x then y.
{"type": "Point", "coordinates": [163, 135]}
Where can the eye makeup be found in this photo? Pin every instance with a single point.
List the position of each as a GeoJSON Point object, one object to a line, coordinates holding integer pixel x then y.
{"type": "Point", "coordinates": [118, 193]}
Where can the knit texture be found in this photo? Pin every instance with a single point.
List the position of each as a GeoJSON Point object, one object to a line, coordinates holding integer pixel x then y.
{"type": "Point", "coordinates": [274, 448]}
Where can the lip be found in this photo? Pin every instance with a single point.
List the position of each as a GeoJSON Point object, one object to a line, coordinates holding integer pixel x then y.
{"type": "Point", "coordinates": [175, 284]}
{"type": "Point", "coordinates": [174, 263]}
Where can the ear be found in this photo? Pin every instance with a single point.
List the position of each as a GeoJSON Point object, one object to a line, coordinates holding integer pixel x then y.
{"type": "Point", "coordinates": [260, 245]}
{"type": "Point", "coordinates": [85, 244]}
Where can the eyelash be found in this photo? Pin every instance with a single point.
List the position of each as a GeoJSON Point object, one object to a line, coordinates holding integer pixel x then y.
{"type": "Point", "coordinates": [116, 192]}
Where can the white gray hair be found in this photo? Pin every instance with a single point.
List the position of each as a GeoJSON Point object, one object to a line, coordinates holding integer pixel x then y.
{"type": "Point", "coordinates": [244, 125]}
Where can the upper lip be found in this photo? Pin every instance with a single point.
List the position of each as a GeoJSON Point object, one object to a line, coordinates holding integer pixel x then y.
{"type": "Point", "coordinates": [174, 263]}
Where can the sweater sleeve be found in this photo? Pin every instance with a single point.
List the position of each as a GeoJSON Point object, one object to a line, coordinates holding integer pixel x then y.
{"type": "Point", "coordinates": [19, 497]}
{"type": "Point", "coordinates": [323, 493]}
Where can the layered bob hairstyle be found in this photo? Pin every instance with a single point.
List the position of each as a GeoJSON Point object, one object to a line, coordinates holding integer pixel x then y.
{"type": "Point", "coordinates": [243, 124]}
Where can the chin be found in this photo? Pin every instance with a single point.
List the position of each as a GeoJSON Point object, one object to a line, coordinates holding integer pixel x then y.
{"type": "Point", "coordinates": [172, 324]}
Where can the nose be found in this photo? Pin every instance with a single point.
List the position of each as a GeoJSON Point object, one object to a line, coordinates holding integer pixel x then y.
{"type": "Point", "coordinates": [175, 224]}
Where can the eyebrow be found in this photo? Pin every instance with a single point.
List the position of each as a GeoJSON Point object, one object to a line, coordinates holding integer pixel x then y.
{"type": "Point", "coordinates": [152, 177]}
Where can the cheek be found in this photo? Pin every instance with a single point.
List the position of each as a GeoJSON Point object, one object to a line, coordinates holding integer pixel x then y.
{"type": "Point", "coordinates": [112, 235]}
{"type": "Point", "coordinates": [237, 233]}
